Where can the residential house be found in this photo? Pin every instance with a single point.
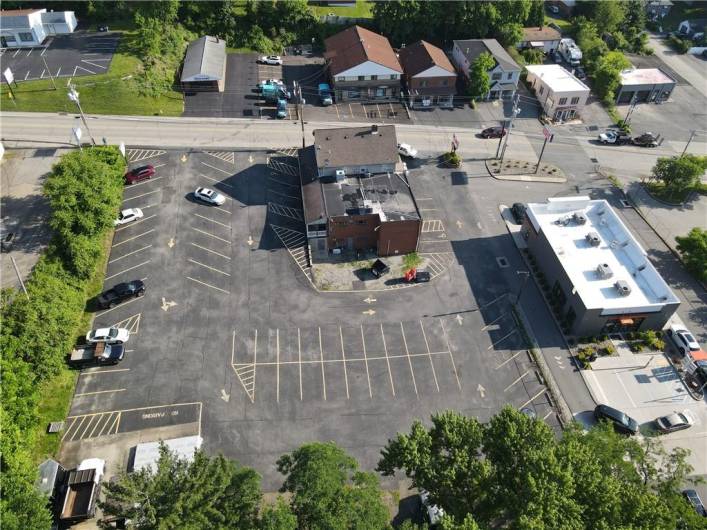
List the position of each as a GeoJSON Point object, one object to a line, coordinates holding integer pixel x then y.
{"type": "Point", "coordinates": [505, 72]}
{"type": "Point", "coordinates": [601, 279]}
{"type": "Point", "coordinates": [644, 84]}
{"type": "Point", "coordinates": [544, 38]}
{"type": "Point", "coordinates": [430, 78]}
{"type": "Point", "coordinates": [26, 28]}
{"type": "Point", "coordinates": [561, 95]}
{"type": "Point", "coordinates": [362, 66]}
{"type": "Point", "coordinates": [354, 194]}
{"type": "Point", "coordinates": [657, 9]}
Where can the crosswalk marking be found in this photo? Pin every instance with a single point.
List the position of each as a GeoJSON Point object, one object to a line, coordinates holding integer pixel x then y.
{"type": "Point", "coordinates": [286, 211]}
{"type": "Point", "coordinates": [131, 323]}
{"type": "Point", "coordinates": [296, 244]}
{"type": "Point", "coordinates": [135, 155]}
{"type": "Point", "coordinates": [286, 151]}
{"type": "Point", "coordinates": [246, 375]}
{"type": "Point", "coordinates": [432, 225]}
{"type": "Point", "coordinates": [281, 167]}
{"type": "Point", "coordinates": [87, 426]}
{"type": "Point", "coordinates": [438, 262]}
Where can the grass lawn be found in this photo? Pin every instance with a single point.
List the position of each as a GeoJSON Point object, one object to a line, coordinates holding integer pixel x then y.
{"type": "Point", "coordinates": [362, 9]}
{"type": "Point", "coordinates": [564, 24]}
{"type": "Point", "coordinates": [112, 93]}
{"type": "Point", "coordinates": [659, 191]}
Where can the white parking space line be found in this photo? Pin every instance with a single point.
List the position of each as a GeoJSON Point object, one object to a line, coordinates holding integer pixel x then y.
{"type": "Point", "coordinates": [213, 221]}
{"type": "Point", "coordinates": [451, 356]}
{"type": "Point", "coordinates": [208, 267]}
{"type": "Point", "coordinates": [117, 307]}
{"type": "Point", "coordinates": [217, 169]}
{"type": "Point", "coordinates": [134, 237]}
{"type": "Point", "coordinates": [207, 285]}
{"type": "Point", "coordinates": [209, 250]}
{"type": "Point", "coordinates": [509, 359]}
{"type": "Point", "coordinates": [407, 352]}
{"type": "Point", "coordinates": [58, 72]}
{"type": "Point", "coordinates": [99, 372]}
{"type": "Point", "coordinates": [516, 381]}
{"type": "Point", "coordinates": [100, 392]}
{"type": "Point", "coordinates": [86, 70]}
{"type": "Point", "coordinates": [221, 209]}
{"type": "Point", "coordinates": [385, 348]}
{"type": "Point", "coordinates": [215, 180]}
{"type": "Point", "coordinates": [44, 50]}
{"type": "Point", "coordinates": [18, 51]}
{"type": "Point", "coordinates": [141, 195]}
{"type": "Point", "coordinates": [93, 64]}
{"type": "Point", "coordinates": [30, 51]}
{"type": "Point", "coordinates": [136, 222]}
{"type": "Point", "coordinates": [321, 356]}
{"type": "Point", "coordinates": [129, 254]}
{"type": "Point", "coordinates": [432, 365]}
{"type": "Point", "coordinates": [343, 358]}
{"type": "Point", "coordinates": [299, 362]}
{"type": "Point", "coordinates": [365, 358]}
{"type": "Point", "coordinates": [126, 270]}
{"type": "Point", "coordinates": [133, 186]}
{"type": "Point", "coordinates": [211, 235]}
{"type": "Point", "coordinates": [532, 399]}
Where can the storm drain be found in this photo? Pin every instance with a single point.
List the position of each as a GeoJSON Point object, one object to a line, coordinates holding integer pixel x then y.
{"type": "Point", "coordinates": [502, 262]}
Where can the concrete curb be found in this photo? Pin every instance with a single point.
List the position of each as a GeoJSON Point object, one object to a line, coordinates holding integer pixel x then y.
{"type": "Point", "coordinates": [525, 178]}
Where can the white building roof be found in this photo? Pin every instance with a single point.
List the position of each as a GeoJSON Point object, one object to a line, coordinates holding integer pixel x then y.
{"type": "Point", "coordinates": [147, 454]}
{"type": "Point", "coordinates": [617, 249]}
{"type": "Point", "coordinates": [645, 76]}
{"type": "Point", "coordinates": [557, 78]}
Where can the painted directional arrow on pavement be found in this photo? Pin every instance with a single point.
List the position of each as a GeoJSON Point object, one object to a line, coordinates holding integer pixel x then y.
{"type": "Point", "coordinates": [369, 312]}
{"type": "Point", "coordinates": [459, 223]}
{"type": "Point", "coordinates": [369, 300]}
{"type": "Point", "coordinates": [224, 396]}
{"type": "Point", "coordinates": [481, 390]}
{"type": "Point", "coordinates": [166, 305]}
{"type": "Point", "coordinates": [171, 243]}
{"type": "Point", "coordinates": [459, 319]}
{"type": "Point", "coordinates": [250, 241]}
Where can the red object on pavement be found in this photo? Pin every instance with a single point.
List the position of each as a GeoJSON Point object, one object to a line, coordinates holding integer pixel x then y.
{"type": "Point", "coordinates": [410, 275]}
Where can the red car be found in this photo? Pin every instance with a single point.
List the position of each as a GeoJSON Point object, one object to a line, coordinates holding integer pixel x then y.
{"type": "Point", "coordinates": [493, 132]}
{"type": "Point", "coordinates": [139, 174]}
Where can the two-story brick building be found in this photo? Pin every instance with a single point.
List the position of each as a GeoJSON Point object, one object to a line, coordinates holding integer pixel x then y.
{"type": "Point", "coordinates": [504, 74]}
{"type": "Point", "coordinates": [362, 66]}
{"type": "Point", "coordinates": [429, 77]}
{"type": "Point", "coordinates": [354, 194]}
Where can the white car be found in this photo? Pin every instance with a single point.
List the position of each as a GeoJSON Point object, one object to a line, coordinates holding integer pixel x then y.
{"type": "Point", "coordinates": [677, 421]}
{"type": "Point", "coordinates": [683, 339]}
{"type": "Point", "coordinates": [407, 150]}
{"type": "Point", "coordinates": [433, 512]}
{"type": "Point", "coordinates": [271, 59]}
{"type": "Point", "coordinates": [209, 196]}
{"type": "Point", "coordinates": [128, 216]}
{"type": "Point", "coordinates": [110, 335]}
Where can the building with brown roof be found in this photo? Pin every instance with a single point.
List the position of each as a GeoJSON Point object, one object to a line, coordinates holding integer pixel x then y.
{"type": "Point", "coordinates": [429, 76]}
{"type": "Point", "coordinates": [362, 65]}
{"type": "Point", "coordinates": [543, 38]}
{"type": "Point", "coordinates": [354, 194]}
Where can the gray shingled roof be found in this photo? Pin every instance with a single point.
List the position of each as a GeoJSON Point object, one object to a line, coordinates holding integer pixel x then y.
{"type": "Point", "coordinates": [472, 48]}
{"type": "Point", "coordinates": [205, 57]}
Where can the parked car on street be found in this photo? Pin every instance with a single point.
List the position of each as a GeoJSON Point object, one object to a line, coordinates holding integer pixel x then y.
{"type": "Point", "coordinates": [120, 293]}
{"type": "Point", "coordinates": [677, 421]}
{"type": "Point", "coordinates": [621, 421]}
{"type": "Point", "coordinates": [682, 338]}
{"type": "Point", "coordinates": [518, 210]}
{"type": "Point", "coordinates": [139, 174]}
{"type": "Point", "coordinates": [111, 335]}
{"type": "Point", "coordinates": [128, 216]}
{"type": "Point", "coordinates": [209, 196]}
{"type": "Point", "coordinates": [694, 499]}
{"type": "Point", "coordinates": [493, 132]}
{"type": "Point", "coordinates": [646, 140]}
{"type": "Point", "coordinates": [407, 151]}
{"type": "Point", "coordinates": [271, 59]}
{"type": "Point", "coordinates": [614, 137]}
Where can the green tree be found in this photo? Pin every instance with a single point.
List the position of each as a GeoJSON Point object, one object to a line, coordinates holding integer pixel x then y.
{"type": "Point", "coordinates": [209, 492]}
{"type": "Point", "coordinates": [479, 79]}
{"type": "Point", "coordinates": [592, 46]}
{"type": "Point", "coordinates": [607, 75]}
{"type": "Point", "coordinates": [680, 172]}
{"type": "Point", "coordinates": [514, 472]}
{"type": "Point", "coordinates": [328, 490]}
{"type": "Point", "coordinates": [278, 517]}
{"type": "Point", "coordinates": [693, 248]}
{"type": "Point", "coordinates": [536, 14]}
{"type": "Point", "coordinates": [533, 56]}
{"type": "Point", "coordinates": [609, 14]}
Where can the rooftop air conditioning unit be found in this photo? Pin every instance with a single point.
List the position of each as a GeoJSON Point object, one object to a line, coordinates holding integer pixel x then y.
{"type": "Point", "coordinates": [623, 288]}
{"type": "Point", "coordinates": [580, 218]}
{"type": "Point", "coordinates": [604, 271]}
{"type": "Point", "coordinates": [340, 175]}
{"type": "Point", "coordinates": [593, 239]}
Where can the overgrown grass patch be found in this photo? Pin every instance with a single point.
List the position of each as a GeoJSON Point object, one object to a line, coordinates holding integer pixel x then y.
{"type": "Point", "coordinates": [362, 9]}
{"type": "Point", "coordinates": [674, 196]}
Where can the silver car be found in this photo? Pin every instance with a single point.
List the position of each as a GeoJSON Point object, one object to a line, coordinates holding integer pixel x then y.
{"type": "Point", "coordinates": [209, 196]}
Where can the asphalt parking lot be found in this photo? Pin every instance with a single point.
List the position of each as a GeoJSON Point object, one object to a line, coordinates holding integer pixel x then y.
{"type": "Point", "coordinates": [231, 336]}
{"type": "Point", "coordinates": [78, 54]}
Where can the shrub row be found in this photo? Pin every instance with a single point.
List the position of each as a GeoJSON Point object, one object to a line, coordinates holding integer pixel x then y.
{"type": "Point", "coordinates": [84, 191]}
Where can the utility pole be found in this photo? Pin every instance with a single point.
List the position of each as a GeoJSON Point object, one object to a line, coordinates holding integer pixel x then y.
{"type": "Point", "coordinates": [692, 135]}
{"type": "Point", "coordinates": [74, 96]}
{"type": "Point", "coordinates": [19, 277]}
{"type": "Point", "coordinates": [50, 72]}
{"type": "Point", "coordinates": [548, 137]}
{"type": "Point", "coordinates": [514, 113]}
{"type": "Point", "coordinates": [634, 102]}
{"type": "Point", "coordinates": [500, 140]}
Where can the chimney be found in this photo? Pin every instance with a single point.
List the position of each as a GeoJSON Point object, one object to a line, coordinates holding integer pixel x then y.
{"type": "Point", "coordinates": [374, 129]}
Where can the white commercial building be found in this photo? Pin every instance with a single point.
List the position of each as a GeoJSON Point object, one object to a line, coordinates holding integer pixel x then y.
{"type": "Point", "coordinates": [599, 275]}
{"type": "Point", "coordinates": [25, 28]}
{"type": "Point", "coordinates": [561, 94]}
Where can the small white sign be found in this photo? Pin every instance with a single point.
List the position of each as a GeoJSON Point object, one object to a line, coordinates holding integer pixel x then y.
{"type": "Point", "coordinates": [7, 74]}
{"type": "Point", "coordinates": [122, 148]}
{"type": "Point", "coordinates": [77, 133]}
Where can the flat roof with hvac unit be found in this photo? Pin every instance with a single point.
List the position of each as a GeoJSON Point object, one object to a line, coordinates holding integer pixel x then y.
{"type": "Point", "coordinates": [205, 63]}
{"type": "Point", "coordinates": [606, 265]}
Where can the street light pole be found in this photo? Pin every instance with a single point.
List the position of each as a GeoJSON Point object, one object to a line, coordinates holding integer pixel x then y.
{"type": "Point", "coordinates": [522, 285]}
{"type": "Point", "coordinates": [692, 135]}
{"type": "Point", "coordinates": [514, 113]}
{"type": "Point", "coordinates": [74, 96]}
